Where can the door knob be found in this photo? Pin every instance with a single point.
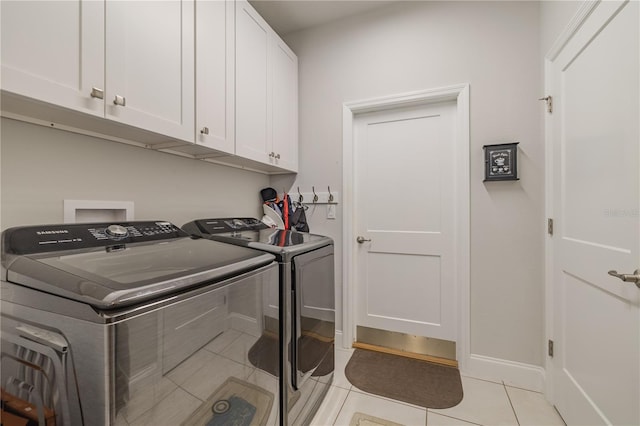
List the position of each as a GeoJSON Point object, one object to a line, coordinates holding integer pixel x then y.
{"type": "Point", "coordinates": [628, 278]}
{"type": "Point", "coordinates": [361, 240]}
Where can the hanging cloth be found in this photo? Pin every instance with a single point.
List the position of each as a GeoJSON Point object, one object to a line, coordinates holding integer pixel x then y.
{"type": "Point", "coordinates": [299, 220]}
{"type": "Point", "coordinates": [286, 208]}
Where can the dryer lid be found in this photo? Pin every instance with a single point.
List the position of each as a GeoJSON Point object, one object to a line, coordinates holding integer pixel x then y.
{"type": "Point", "coordinates": [249, 232]}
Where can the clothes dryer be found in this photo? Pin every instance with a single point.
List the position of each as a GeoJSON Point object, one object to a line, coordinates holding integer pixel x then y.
{"type": "Point", "coordinates": [301, 309]}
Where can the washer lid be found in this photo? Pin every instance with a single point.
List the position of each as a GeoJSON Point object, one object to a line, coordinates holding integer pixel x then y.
{"type": "Point", "coordinates": [123, 274]}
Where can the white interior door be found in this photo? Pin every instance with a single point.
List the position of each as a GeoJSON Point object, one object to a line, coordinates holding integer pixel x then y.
{"type": "Point", "coordinates": [596, 201]}
{"type": "Point", "coordinates": [404, 204]}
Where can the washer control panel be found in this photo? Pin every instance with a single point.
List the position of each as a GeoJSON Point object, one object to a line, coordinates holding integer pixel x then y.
{"type": "Point", "coordinates": [137, 231]}
{"type": "Point", "coordinates": [45, 238]}
{"type": "Point", "coordinates": [116, 232]}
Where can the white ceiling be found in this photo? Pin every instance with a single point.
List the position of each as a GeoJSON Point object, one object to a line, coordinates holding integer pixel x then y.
{"type": "Point", "coordinates": [287, 16]}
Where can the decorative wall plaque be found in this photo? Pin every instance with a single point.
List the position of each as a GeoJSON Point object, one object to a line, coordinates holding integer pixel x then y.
{"type": "Point", "coordinates": [501, 161]}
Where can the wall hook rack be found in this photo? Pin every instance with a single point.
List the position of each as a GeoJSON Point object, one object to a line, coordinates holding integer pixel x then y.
{"type": "Point", "coordinates": [313, 197]}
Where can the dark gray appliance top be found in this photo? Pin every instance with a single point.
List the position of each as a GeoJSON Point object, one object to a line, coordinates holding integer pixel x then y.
{"type": "Point", "coordinates": [250, 232]}
{"type": "Point", "coordinates": [109, 266]}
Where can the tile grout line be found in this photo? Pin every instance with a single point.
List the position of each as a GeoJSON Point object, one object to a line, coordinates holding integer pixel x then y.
{"type": "Point", "coordinates": [341, 407]}
{"type": "Point", "coordinates": [348, 390]}
{"type": "Point", "coordinates": [523, 389]}
{"type": "Point", "coordinates": [385, 398]}
{"type": "Point", "coordinates": [482, 380]}
{"type": "Point", "coordinates": [456, 418]}
{"type": "Point", "coordinates": [510, 403]}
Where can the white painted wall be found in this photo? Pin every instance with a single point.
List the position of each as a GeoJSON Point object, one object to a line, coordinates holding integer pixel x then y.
{"type": "Point", "coordinates": [42, 166]}
{"type": "Point", "coordinates": [494, 46]}
{"type": "Point", "coordinates": [410, 46]}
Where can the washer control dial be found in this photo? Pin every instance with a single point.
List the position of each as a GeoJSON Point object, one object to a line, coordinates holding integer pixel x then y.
{"type": "Point", "coordinates": [116, 232]}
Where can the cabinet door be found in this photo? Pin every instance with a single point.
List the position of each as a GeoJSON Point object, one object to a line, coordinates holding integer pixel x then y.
{"type": "Point", "coordinates": [253, 122]}
{"type": "Point", "coordinates": [150, 65]}
{"type": "Point", "coordinates": [215, 68]}
{"type": "Point", "coordinates": [53, 51]}
{"type": "Point", "coordinates": [284, 106]}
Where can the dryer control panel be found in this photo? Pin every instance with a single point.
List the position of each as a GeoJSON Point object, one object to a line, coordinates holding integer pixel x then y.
{"type": "Point", "coordinates": [46, 238]}
{"type": "Point", "coordinates": [223, 225]}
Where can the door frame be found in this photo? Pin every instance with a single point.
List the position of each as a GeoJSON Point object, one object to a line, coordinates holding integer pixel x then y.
{"type": "Point", "coordinates": [572, 27]}
{"type": "Point", "coordinates": [460, 94]}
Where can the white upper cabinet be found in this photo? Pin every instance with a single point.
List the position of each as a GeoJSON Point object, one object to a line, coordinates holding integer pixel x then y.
{"type": "Point", "coordinates": [266, 93]}
{"type": "Point", "coordinates": [129, 61]}
{"type": "Point", "coordinates": [215, 74]}
{"type": "Point", "coordinates": [253, 126]}
{"type": "Point", "coordinates": [53, 51]}
{"type": "Point", "coordinates": [207, 79]}
{"type": "Point", "coordinates": [149, 61]}
{"type": "Point", "coordinates": [285, 106]}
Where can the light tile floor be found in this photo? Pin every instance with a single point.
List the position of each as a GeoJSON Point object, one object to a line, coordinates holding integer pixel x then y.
{"type": "Point", "coordinates": [484, 403]}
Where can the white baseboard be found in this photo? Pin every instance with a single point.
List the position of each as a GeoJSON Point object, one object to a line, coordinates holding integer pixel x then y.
{"type": "Point", "coordinates": [517, 374]}
{"type": "Point", "coordinates": [340, 340]}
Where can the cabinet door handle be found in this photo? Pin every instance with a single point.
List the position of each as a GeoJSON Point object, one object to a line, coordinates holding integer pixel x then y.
{"type": "Point", "coordinates": [272, 154]}
{"type": "Point", "coordinates": [205, 131]}
{"type": "Point", "coordinates": [97, 93]}
{"type": "Point", "coordinates": [277, 156]}
{"type": "Point", "coordinates": [120, 100]}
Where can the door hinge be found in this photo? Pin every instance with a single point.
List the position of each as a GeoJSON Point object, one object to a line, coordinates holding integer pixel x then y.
{"type": "Point", "coordinates": [550, 226]}
{"type": "Point", "coordinates": [549, 100]}
{"type": "Point", "coordinates": [551, 348]}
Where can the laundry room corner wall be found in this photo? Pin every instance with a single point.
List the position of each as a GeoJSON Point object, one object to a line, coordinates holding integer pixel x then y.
{"type": "Point", "coordinates": [41, 167]}
{"type": "Point", "coordinates": [413, 46]}
{"type": "Point", "coordinates": [554, 18]}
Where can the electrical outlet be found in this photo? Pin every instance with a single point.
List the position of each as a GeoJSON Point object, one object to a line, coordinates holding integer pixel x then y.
{"type": "Point", "coordinates": [331, 211]}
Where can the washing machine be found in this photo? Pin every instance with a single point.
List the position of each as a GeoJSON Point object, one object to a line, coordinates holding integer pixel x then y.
{"type": "Point", "coordinates": [133, 323]}
{"type": "Point", "coordinates": [301, 309]}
